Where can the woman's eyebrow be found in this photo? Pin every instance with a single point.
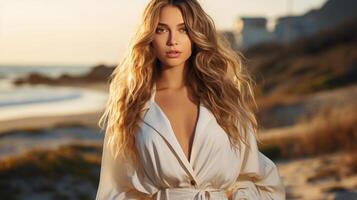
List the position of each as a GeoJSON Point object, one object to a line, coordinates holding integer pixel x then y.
{"type": "Point", "coordinates": [163, 24]}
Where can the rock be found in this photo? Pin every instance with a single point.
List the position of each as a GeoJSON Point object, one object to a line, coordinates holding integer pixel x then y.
{"type": "Point", "coordinates": [99, 73]}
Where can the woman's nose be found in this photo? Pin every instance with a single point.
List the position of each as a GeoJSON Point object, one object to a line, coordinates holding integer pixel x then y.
{"type": "Point", "coordinates": [172, 40]}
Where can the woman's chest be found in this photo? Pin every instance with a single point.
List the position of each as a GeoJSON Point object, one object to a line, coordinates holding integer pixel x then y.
{"type": "Point", "coordinates": [182, 115]}
{"type": "Point", "coordinates": [213, 163]}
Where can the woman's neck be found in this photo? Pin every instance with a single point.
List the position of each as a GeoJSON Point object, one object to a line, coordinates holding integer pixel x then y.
{"type": "Point", "coordinates": [172, 77]}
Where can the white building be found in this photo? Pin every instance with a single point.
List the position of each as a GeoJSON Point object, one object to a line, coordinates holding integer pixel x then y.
{"type": "Point", "coordinates": [253, 31]}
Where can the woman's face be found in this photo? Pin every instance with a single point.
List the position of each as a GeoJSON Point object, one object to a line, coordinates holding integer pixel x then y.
{"type": "Point", "coordinates": [171, 43]}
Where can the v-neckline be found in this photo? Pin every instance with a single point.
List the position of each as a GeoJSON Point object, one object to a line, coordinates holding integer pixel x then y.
{"type": "Point", "coordinates": [189, 159]}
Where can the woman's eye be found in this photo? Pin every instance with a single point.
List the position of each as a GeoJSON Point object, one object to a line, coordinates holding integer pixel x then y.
{"type": "Point", "coordinates": [159, 30]}
{"type": "Point", "coordinates": [183, 30]}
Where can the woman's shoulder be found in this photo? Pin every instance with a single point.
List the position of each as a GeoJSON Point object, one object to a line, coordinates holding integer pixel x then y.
{"type": "Point", "coordinates": [146, 134]}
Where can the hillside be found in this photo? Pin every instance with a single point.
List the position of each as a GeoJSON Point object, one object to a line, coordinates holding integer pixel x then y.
{"type": "Point", "coordinates": [323, 61]}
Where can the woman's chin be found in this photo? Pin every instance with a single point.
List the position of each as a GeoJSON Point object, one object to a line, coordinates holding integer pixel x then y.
{"type": "Point", "coordinates": [171, 64]}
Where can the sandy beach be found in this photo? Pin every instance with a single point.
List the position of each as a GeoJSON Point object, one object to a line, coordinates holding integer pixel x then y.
{"type": "Point", "coordinates": [85, 111]}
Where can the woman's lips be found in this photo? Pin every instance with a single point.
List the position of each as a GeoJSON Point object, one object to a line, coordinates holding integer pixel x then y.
{"type": "Point", "coordinates": [173, 54]}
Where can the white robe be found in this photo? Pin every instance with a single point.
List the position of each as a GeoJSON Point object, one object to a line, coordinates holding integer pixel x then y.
{"type": "Point", "coordinates": [166, 173]}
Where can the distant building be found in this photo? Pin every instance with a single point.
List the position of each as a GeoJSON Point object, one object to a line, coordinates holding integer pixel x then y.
{"type": "Point", "coordinates": [254, 31]}
{"type": "Point", "coordinates": [289, 28]}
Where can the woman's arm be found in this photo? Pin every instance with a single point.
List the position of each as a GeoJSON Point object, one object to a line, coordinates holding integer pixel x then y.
{"type": "Point", "coordinates": [119, 180]}
{"type": "Point", "coordinates": [259, 177]}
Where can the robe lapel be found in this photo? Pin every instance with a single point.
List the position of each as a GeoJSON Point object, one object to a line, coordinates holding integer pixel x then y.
{"type": "Point", "coordinates": [155, 118]}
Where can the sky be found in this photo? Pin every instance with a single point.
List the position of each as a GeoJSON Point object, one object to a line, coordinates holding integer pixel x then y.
{"type": "Point", "coordinates": [91, 32]}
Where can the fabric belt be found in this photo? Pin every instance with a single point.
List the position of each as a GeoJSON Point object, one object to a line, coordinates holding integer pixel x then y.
{"type": "Point", "coordinates": [190, 194]}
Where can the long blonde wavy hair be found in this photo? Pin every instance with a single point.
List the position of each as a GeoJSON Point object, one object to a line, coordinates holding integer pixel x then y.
{"type": "Point", "coordinates": [216, 76]}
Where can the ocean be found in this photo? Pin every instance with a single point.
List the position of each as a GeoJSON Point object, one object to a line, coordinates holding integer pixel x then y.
{"type": "Point", "coordinates": [9, 73]}
{"type": "Point", "coordinates": [36, 100]}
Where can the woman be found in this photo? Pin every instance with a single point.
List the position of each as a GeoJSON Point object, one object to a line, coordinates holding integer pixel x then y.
{"type": "Point", "coordinates": [178, 125]}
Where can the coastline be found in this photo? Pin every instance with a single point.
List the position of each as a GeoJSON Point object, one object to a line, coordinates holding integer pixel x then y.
{"type": "Point", "coordinates": [45, 122]}
{"type": "Point", "coordinates": [84, 111]}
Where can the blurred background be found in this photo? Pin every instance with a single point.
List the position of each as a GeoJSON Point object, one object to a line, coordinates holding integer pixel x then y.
{"type": "Point", "coordinates": [56, 57]}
